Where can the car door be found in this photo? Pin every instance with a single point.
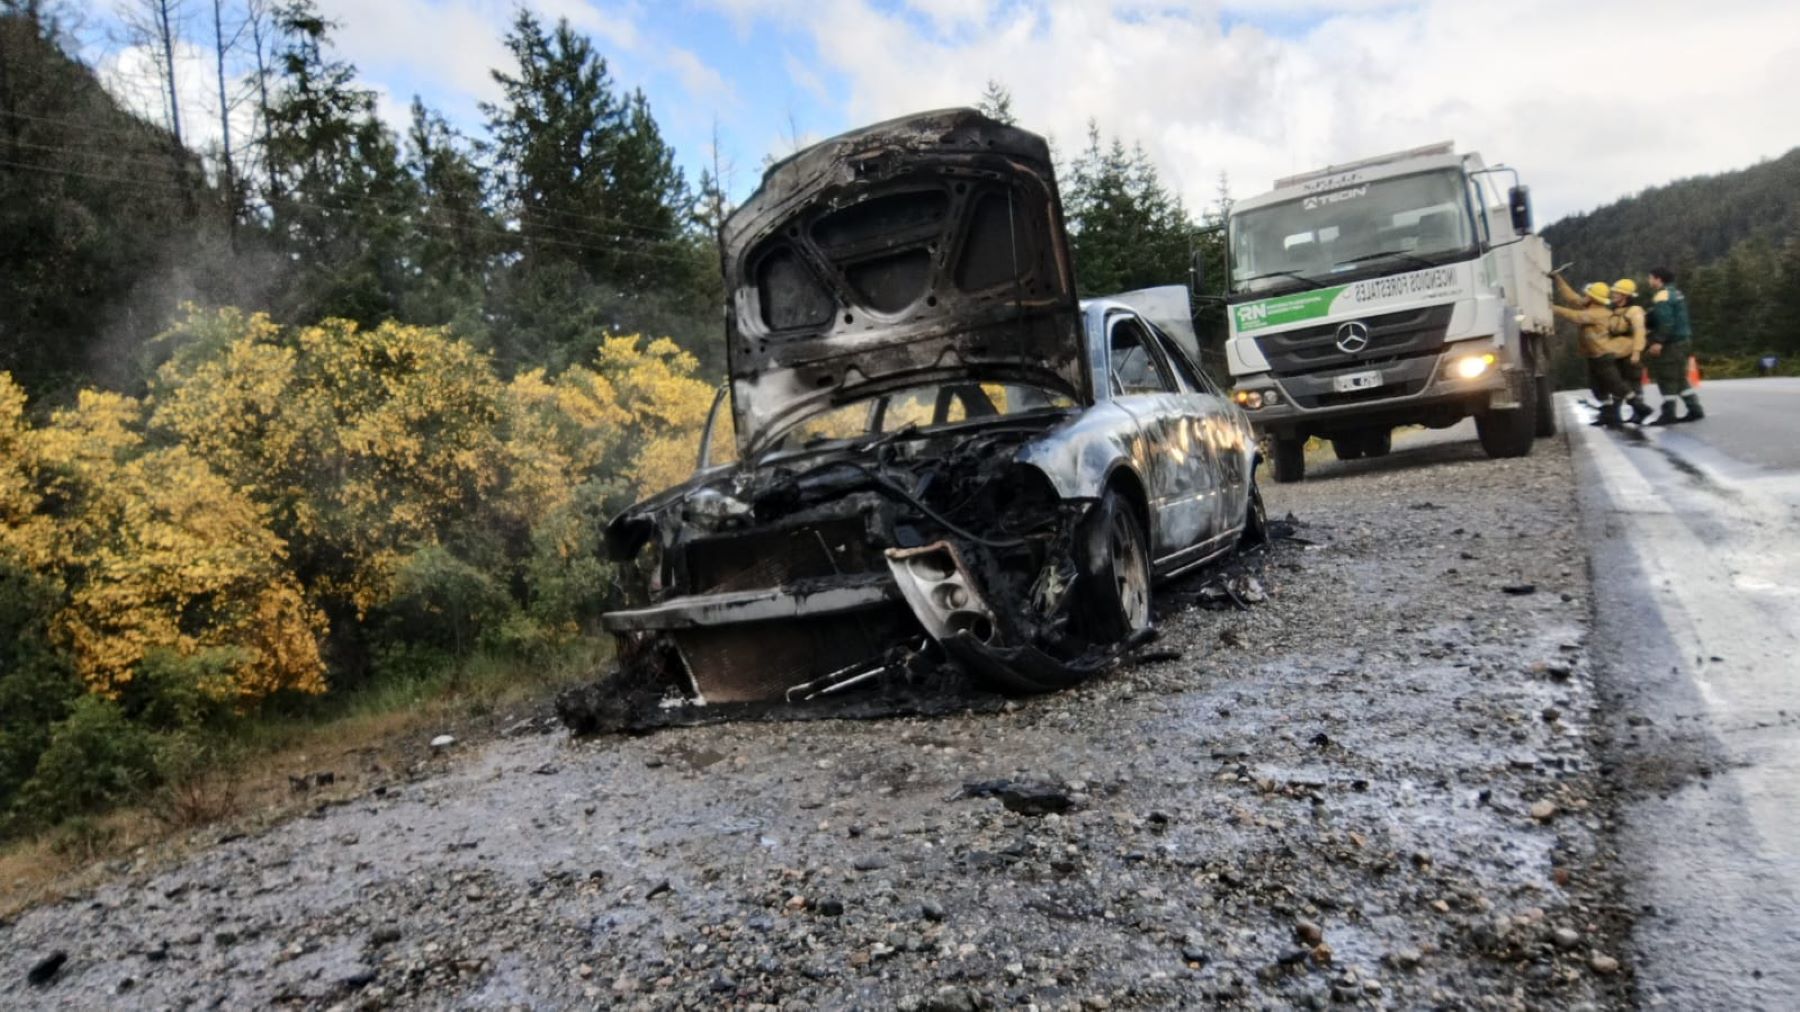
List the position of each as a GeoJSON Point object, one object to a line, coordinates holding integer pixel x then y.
{"type": "Point", "coordinates": [1168, 450]}
{"type": "Point", "coordinates": [1225, 432]}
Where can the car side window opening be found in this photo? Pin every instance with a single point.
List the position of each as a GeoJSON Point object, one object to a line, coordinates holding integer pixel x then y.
{"type": "Point", "coordinates": [1183, 366]}
{"type": "Point", "coordinates": [1135, 369]}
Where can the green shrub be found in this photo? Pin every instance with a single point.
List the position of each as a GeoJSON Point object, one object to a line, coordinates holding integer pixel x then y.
{"type": "Point", "coordinates": [568, 579]}
{"type": "Point", "coordinates": [443, 602]}
{"type": "Point", "coordinates": [96, 757]}
{"type": "Point", "coordinates": [176, 692]}
{"type": "Point", "coordinates": [37, 685]}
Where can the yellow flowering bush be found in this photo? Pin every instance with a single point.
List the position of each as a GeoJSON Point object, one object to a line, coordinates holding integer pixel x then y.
{"type": "Point", "coordinates": [278, 486]}
{"type": "Point", "coordinates": [156, 552]}
{"type": "Point", "coordinates": [364, 443]}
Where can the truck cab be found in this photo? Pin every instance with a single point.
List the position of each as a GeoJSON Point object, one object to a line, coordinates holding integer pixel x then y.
{"type": "Point", "coordinates": [1398, 290]}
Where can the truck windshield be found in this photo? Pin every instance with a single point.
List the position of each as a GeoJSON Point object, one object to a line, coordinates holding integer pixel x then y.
{"type": "Point", "coordinates": [1407, 221]}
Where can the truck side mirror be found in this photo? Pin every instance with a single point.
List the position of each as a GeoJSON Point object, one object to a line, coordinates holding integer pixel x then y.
{"type": "Point", "coordinates": [1518, 201]}
{"type": "Point", "coordinates": [1198, 270]}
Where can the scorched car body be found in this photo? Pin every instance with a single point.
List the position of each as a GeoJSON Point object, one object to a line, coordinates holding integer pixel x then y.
{"type": "Point", "coordinates": [940, 456]}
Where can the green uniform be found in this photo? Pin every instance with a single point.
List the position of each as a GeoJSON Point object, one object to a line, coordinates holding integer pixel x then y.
{"type": "Point", "coordinates": [1667, 322]}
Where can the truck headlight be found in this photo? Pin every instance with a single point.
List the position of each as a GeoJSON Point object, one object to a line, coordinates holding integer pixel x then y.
{"type": "Point", "coordinates": [1473, 366]}
{"type": "Point", "coordinates": [1251, 399]}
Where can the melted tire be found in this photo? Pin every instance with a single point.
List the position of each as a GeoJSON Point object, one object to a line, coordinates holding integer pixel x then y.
{"type": "Point", "coordinates": [1115, 571]}
{"type": "Point", "coordinates": [1256, 519]}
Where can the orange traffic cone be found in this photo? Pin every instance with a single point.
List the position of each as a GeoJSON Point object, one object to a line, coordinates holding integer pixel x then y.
{"type": "Point", "coordinates": [1693, 372]}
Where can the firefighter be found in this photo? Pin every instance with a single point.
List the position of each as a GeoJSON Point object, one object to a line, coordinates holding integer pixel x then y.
{"type": "Point", "coordinates": [1591, 310]}
{"type": "Point", "coordinates": [1630, 336]}
{"type": "Point", "coordinates": [1671, 343]}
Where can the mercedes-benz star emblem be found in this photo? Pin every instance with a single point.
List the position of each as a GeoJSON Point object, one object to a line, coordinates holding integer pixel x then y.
{"type": "Point", "coordinates": [1352, 337]}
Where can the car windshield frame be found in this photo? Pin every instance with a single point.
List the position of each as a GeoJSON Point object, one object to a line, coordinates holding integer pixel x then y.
{"type": "Point", "coordinates": [781, 445]}
{"type": "Point", "coordinates": [1347, 236]}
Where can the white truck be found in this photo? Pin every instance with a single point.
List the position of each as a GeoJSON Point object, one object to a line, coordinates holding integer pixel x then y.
{"type": "Point", "coordinates": [1398, 290]}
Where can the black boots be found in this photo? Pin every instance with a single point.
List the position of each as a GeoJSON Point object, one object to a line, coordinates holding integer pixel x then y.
{"type": "Point", "coordinates": [1608, 416]}
{"type": "Point", "coordinates": [1665, 414]}
{"type": "Point", "coordinates": [1639, 411]}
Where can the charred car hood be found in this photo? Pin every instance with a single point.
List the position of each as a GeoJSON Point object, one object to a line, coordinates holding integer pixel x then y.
{"type": "Point", "coordinates": [915, 251]}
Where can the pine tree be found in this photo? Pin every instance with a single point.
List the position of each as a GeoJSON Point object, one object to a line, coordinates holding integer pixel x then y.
{"type": "Point", "coordinates": [607, 240]}
{"type": "Point", "coordinates": [338, 197]}
{"type": "Point", "coordinates": [583, 169]}
{"type": "Point", "coordinates": [1127, 229]}
{"type": "Point", "coordinates": [996, 103]}
{"type": "Point", "coordinates": [455, 238]}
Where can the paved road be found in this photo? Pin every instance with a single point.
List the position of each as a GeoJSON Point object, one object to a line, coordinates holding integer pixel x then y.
{"type": "Point", "coordinates": [1695, 539]}
{"type": "Point", "coordinates": [1753, 422]}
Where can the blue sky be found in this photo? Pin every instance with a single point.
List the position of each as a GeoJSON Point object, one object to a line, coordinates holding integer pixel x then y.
{"type": "Point", "coordinates": [1247, 90]}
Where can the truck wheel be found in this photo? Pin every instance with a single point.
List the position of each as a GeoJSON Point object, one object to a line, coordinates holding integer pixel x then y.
{"type": "Point", "coordinates": [1115, 570]}
{"type": "Point", "coordinates": [1288, 462]}
{"type": "Point", "coordinates": [1348, 446]}
{"type": "Point", "coordinates": [1546, 407]}
{"type": "Point", "coordinates": [1378, 442]}
{"type": "Point", "coordinates": [1509, 433]}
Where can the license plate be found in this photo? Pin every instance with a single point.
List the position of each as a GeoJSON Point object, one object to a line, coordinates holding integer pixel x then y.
{"type": "Point", "coordinates": [1356, 381]}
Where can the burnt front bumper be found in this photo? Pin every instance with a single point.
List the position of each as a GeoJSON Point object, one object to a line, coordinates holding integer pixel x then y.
{"type": "Point", "coordinates": [754, 645]}
{"type": "Point", "coordinates": [813, 637]}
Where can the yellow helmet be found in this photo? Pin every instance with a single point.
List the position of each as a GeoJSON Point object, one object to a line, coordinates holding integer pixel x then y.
{"type": "Point", "coordinates": [1626, 286]}
{"type": "Point", "coordinates": [1599, 291]}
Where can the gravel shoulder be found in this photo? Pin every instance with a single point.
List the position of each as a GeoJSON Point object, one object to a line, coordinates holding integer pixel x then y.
{"type": "Point", "coordinates": [1377, 787]}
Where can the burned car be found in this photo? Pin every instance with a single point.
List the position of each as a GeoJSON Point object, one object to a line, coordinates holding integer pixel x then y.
{"type": "Point", "coordinates": [941, 458]}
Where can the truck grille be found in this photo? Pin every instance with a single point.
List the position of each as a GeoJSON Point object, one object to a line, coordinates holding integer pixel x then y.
{"type": "Point", "coordinates": [1392, 337]}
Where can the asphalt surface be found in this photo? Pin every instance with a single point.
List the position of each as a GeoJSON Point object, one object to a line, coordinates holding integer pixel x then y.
{"type": "Point", "coordinates": [1693, 534]}
{"type": "Point", "coordinates": [1748, 422]}
{"type": "Point", "coordinates": [1376, 787]}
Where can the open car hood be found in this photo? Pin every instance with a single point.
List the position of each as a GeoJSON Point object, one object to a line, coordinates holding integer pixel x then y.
{"type": "Point", "coordinates": [921, 250]}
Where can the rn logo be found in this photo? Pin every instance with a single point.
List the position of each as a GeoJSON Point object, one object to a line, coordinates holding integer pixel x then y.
{"type": "Point", "coordinates": [1256, 312]}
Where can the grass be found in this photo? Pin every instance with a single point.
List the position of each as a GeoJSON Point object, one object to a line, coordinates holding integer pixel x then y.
{"type": "Point", "coordinates": [249, 777]}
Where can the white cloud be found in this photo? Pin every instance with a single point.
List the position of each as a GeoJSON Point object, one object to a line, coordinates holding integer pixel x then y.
{"type": "Point", "coordinates": [950, 15]}
{"type": "Point", "coordinates": [133, 74]}
{"type": "Point", "coordinates": [702, 82]}
{"type": "Point", "coordinates": [439, 47]}
{"type": "Point", "coordinates": [1590, 101]}
{"type": "Point", "coordinates": [447, 50]}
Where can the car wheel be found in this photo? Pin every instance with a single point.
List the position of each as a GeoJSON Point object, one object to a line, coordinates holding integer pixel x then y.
{"type": "Point", "coordinates": [1546, 407]}
{"type": "Point", "coordinates": [1288, 461]}
{"type": "Point", "coordinates": [1378, 442]}
{"type": "Point", "coordinates": [1348, 446]}
{"type": "Point", "coordinates": [1256, 519]}
{"type": "Point", "coordinates": [1115, 570]}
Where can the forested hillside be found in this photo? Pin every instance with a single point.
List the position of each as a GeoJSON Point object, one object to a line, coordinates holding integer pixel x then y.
{"type": "Point", "coordinates": [569, 219]}
{"type": "Point", "coordinates": [1733, 239]}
